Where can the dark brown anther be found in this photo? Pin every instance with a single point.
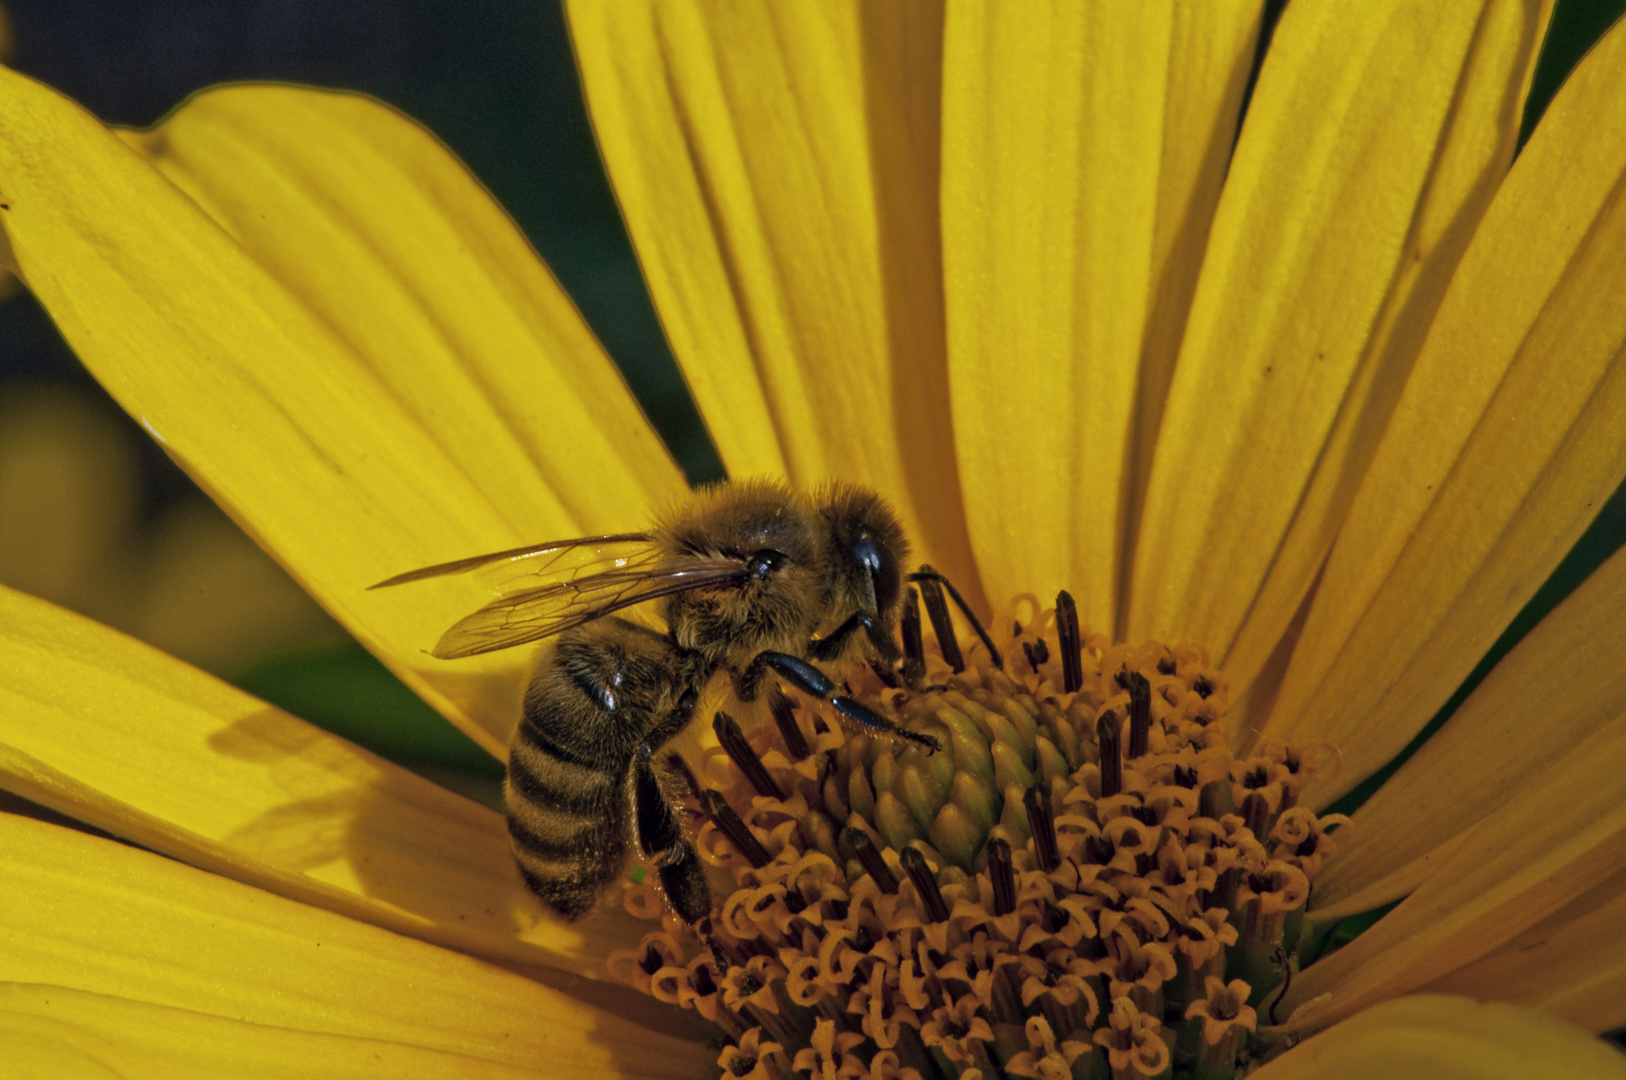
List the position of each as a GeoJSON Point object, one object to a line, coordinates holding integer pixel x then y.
{"type": "Point", "coordinates": [1203, 687]}
{"type": "Point", "coordinates": [1037, 653]}
{"type": "Point", "coordinates": [1098, 850]}
{"type": "Point", "coordinates": [1167, 666]}
{"type": "Point", "coordinates": [914, 648]}
{"type": "Point", "coordinates": [924, 573]}
{"type": "Point", "coordinates": [1071, 642]}
{"type": "Point", "coordinates": [705, 985]}
{"type": "Point", "coordinates": [1284, 971]}
{"type": "Point", "coordinates": [1112, 766]}
{"type": "Point", "coordinates": [1256, 815]}
{"type": "Point", "coordinates": [931, 591]}
{"type": "Point", "coordinates": [728, 822]}
{"type": "Point", "coordinates": [914, 864]}
{"type": "Point", "coordinates": [744, 758]}
{"type": "Point", "coordinates": [1003, 875]}
{"type": "Point", "coordinates": [1140, 715]}
{"type": "Point", "coordinates": [784, 717]}
{"type": "Point", "coordinates": [652, 961]}
{"type": "Point", "coordinates": [867, 854]}
{"type": "Point", "coordinates": [1042, 824]}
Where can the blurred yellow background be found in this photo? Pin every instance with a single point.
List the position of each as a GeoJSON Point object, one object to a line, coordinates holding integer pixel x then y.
{"type": "Point", "coordinates": [73, 530]}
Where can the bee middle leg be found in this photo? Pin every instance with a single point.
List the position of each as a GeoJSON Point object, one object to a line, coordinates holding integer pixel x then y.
{"type": "Point", "coordinates": [815, 683]}
{"type": "Point", "coordinates": [682, 877]}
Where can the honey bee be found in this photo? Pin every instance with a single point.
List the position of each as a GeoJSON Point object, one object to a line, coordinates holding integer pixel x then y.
{"type": "Point", "coordinates": [746, 576]}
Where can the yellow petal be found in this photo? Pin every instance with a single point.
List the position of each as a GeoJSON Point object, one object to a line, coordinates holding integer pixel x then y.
{"type": "Point", "coordinates": [1571, 964]}
{"type": "Point", "coordinates": [1475, 146]}
{"type": "Point", "coordinates": [1083, 149]}
{"type": "Point", "coordinates": [1434, 1037]}
{"type": "Point", "coordinates": [109, 731]}
{"type": "Point", "coordinates": [1355, 122]}
{"type": "Point", "coordinates": [1563, 835]}
{"type": "Point", "coordinates": [1558, 686]}
{"type": "Point", "coordinates": [1504, 445]}
{"type": "Point", "coordinates": [102, 918]}
{"type": "Point", "coordinates": [361, 359]}
{"type": "Point", "coordinates": [53, 1033]}
{"type": "Point", "coordinates": [777, 168]}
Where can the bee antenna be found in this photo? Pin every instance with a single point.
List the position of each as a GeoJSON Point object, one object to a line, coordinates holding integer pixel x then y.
{"type": "Point", "coordinates": [926, 573]}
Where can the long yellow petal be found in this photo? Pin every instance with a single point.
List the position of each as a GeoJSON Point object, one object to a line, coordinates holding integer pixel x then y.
{"type": "Point", "coordinates": [1505, 443]}
{"type": "Point", "coordinates": [1475, 146]}
{"type": "Point", "coordinates": [1564, 835]}
{"type": "Point", "coordinates": [777, 165]}
{"type": "Point", "coordinates": [1435, 1037]}
{"type": "Point", "coordinates": [1562, 683]}
{"type": "Point", "coordinates": [1571, 964]}
{"type": "Point", "coordinates": [1083, 149]}
{"type": "Point", "coordinates": [53, 1033]}
{"type": "Point", "coordinates": [1354, 124]}
{"type": "Point", "coordinates": [109, 731]}
{"type": "Point", "coordinates": [361, 358]}
{"type": "Point", "coordinates": [99, 917]}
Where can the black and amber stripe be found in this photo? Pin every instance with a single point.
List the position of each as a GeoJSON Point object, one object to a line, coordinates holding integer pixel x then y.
{"type": "Point", "coordinates": [566, 820]}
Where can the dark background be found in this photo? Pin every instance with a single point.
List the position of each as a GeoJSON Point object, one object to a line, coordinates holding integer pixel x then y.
{"type": "Point", "coordinates": [495, 79]}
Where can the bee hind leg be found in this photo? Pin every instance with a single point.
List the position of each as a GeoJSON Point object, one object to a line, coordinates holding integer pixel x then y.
{"type": "Point", "coordinates": [682, 877]}
{"type": "Point", "coordinates": [816, 684]}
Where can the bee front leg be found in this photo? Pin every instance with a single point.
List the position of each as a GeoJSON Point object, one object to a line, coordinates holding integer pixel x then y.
{"type": "Point", "coordinates": [830, 645]}
{"type": "Point", "coordinates": [882, 641]}
{"type": "Point", "coordinates": [815, 683]}
{"type": "Point", "coordinates": [682, 877]}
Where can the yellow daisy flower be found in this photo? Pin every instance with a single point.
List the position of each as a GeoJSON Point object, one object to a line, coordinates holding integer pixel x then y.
{"type": "Point", "coordinates": [1330, 402]}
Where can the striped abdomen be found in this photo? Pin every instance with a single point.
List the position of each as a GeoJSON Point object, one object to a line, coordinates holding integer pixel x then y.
{"type": "Point", "coordinates": [567, 818]}
{"type": "Point", "coordinates": [603, 694]}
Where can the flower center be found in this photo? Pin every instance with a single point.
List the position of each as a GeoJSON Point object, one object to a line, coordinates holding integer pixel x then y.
{"type": "Point", "coordinates": [1084, 881]}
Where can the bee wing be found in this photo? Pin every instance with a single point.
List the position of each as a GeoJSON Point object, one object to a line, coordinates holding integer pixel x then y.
{"type": "Point", "coordinates": [504, 571]}
{"type": "Point", "coordinates": [535, 613]}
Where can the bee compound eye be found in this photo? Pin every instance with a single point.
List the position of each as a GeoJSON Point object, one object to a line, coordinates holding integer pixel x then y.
{"type": "Point", "coordinates": [881, 567]}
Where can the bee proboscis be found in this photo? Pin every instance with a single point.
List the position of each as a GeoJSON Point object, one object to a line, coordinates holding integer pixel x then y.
{"type": "Point", "coordinates": [755, 578]}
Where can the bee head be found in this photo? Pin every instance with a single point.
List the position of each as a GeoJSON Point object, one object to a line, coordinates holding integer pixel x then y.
{"type": "Point", "coordinates": [774, 531]}
{"type": "Point", "coordinates": [867, 554]}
